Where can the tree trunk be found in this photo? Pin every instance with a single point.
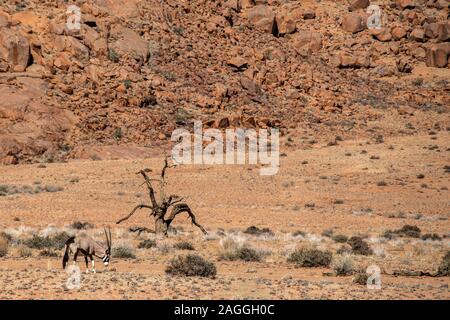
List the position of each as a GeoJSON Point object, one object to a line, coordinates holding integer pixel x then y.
{"type": "Point", "coordinates": [161, 227]}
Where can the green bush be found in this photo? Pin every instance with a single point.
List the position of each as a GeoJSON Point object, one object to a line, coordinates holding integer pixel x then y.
{"type": "Point", "coordinates": [123, 252]}
{"type": "Point", "coordinates": [343, 265]}
{"type": "Point", "coordinates": [191, 265]}
{"type": "Point", "coordinates": [340, 238]}
{"type": "Point", "coordinates": [147, 244]}
{"type": "Point", "coordinates": [4, 246]}
{"type": "Point", "coordinates": [243, 253]}
{"type": "Point", "coordinates": [24, 252]}
{"type": "Point", "coordinates": [48, 253]}
{"type": "Point", "coordinates": [361, 278]}
{"type": "Point", "coordinates": [257, 231]}
{"type": "Point", "coordinates": [431, 236]}
{"type": "Point", "coordinates": [359, 246]}
{"type": "Point", "coordinates": [444, 268]}
{"type": "Point", "coordinates": [58, 241]}
{"type": "Point", "coordinates": [409, 231]}
{"type": "Point", "coordinates": [309, 258]}
{"type": "Point", "coordinates": [81, 225]}
{"type": "Point", "coordinates": [184, 245]}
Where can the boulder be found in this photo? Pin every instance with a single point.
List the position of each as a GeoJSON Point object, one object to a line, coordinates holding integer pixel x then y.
{"type": "Point", "coordinates": [306, 42]}
{"type": "Point", "coordinates": [287, 17]}
{"type": "Point", "coordinates": [130, 43]}
{"type": "Point", "coordinates": [358, 4]}
{"type": "Point", "coordinates": [14, 50]}
{"type": "Point", "coordinates": [353, 23]}
{"type": "Point", "coordinates": [437, 55]}
{"type": "Point", "coordinates": [439, 31]}
{"type": "Point", "coordinates": [398, 33]}
{"type": "Point", "coordinates": [403, 65]}
{"type": "Point", "coordinates": [403, 4]}
{"type": "Point", "coordinates": [346, 60]}
{"type": "Point", "coordinates": [5, 19]}
{"type": "Point", "coordinates": [382, 34]}
{"type": "Point", "coordinates": [417, 34]}
{"type": "Point", "coordinates": [262, 17]}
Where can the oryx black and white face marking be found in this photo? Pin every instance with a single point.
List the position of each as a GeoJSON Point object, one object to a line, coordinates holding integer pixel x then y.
{"type": "Point", "coordinates": [106, 258]}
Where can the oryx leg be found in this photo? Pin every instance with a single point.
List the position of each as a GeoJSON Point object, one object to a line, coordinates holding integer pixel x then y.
{"type": "Point", "coordinates": [93, 263]}
{"type": "Point", "coordinates": [75, 257]}
{"type": "Point", "coordinates": [87, 263]}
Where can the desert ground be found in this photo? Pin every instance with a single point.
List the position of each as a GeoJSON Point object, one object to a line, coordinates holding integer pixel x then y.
{"type": "Point", "coordinates": [91, 92]}
{"type": "Point", "coordinates": [317, 189]}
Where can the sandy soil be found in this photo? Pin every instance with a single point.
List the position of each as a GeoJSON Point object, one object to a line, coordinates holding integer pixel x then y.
{"type": "Point", "coordinates": [233, 198]}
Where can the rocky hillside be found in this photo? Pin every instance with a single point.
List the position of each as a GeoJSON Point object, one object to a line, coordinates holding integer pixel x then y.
{"type": "Point", "coordinates": [136, 70]}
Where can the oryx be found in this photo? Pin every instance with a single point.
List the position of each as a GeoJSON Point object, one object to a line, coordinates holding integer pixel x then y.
{"type": "Point", "coordinates": [82, 243]}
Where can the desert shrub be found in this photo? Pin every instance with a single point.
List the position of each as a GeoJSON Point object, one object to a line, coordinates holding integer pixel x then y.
{"type": "Point", "coordinates": [123, 252]}
{"type": "Point", "coordinates": [306, 257]}
{"type": "Point", "coordinates": [81, 225]}
{"type": "Point", "coordinates": [344, 249]}
{"type": "Point", "coordinates": [408, 231]}
{"type": "Point", "coordinates": [147, 244]}
{"type": "Point", "coordinates": [184, 245]}
{"type": "Point", "coordinates": [113, 56]}
{"type": "Point", "coordinates": [359, 246]}
{"type": "Point", "coordinates": [191, 265]}
{"type": "Point", "coordinates": [57, 241]}
{"type": "Point", "coordinates": [361, 277]}
{"type": "Point", "coordinates": [389, 234]}
{"type": "Point", "coordinates": [327, 233]}
{"type": "Point", "coordinates": [299, 233]}
{"type": "Point", "coordinates": [24, 252]}
{"type": "Point", "coordinates": [164, 247]}
{"type": "Point", "coordinates": [48, 253]}
{"type": "Point", "coordinates": [245, 254]}
{"type": "Point", "coordinates": [231, 243]}
{"type": "Point", "coordinates": [257, 231]}
{"type": "Point", "coordinates": [4, 246]}
{"type": "Point", "coordinates": [340, 238]}
{"type": "Point", "coordinates": [343, 265]}
{"type": "Point", "coordinates": [431, 236]}
{"type": "Point", "coordinates": [52, 188]}
{"type": "Point", "coordinates": [444, 267]}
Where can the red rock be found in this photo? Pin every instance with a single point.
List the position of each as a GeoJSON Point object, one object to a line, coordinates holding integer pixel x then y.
{"type": "Point", "coordinates": [417, 34]}
{"type": "Point", "coordinates": [130, 43]}
{"type": "Point", "coordinates": [309, 14]}
{"type": "Point", "coordinates": [14, 49]}
{"type": "Point", "coordinates": [262, 17]}
{"type": "Point", "coordinates": [5, 19]}
{"type": "Point", "coordinates": [403, 65]}
{"type": "Point", "coordinates": [398, 33]}
{"type": "Point", "coordinates": [403, 4]}
{"type": "Point", "coordinates": [346, 60]}
{"type": "Point", "coordinates": [62, 61]}
{"type": "Point", "coordinates": [250, 85]}
{"type": "Point", "coordinates": [247, 3]}
{"type": "Point", "coordinates": [238, 63]}
{"type": "Point", "coordinates": [418, 53]}
{"type": "Point", "coordinates": [437, 55]}
{"type": "Point", "coordinates": [382, 34]}
{"type": "Point", "coordinates": [353, 23]}
{"type": "Point", "coordinates": [306, 42]}
{"type": "Point", "coordinates": [439, 31]}
{"type": "Point", "coordinates": [287, 17]}
{"type": "Point", "coordinates": [358, 4]}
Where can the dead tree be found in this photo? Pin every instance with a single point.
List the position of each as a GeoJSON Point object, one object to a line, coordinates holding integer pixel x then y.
{"type": "Point", "coordinates": [159, 209]}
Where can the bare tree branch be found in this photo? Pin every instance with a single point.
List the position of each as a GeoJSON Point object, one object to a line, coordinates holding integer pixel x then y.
{"type": "Point", "coordinates": [133, 211]}
{"type": "Point", "coordinates": [183, 207]}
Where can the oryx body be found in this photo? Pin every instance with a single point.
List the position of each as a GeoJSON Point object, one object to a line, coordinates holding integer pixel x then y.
{"type": "Point", "coordinates": [87, 246]}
